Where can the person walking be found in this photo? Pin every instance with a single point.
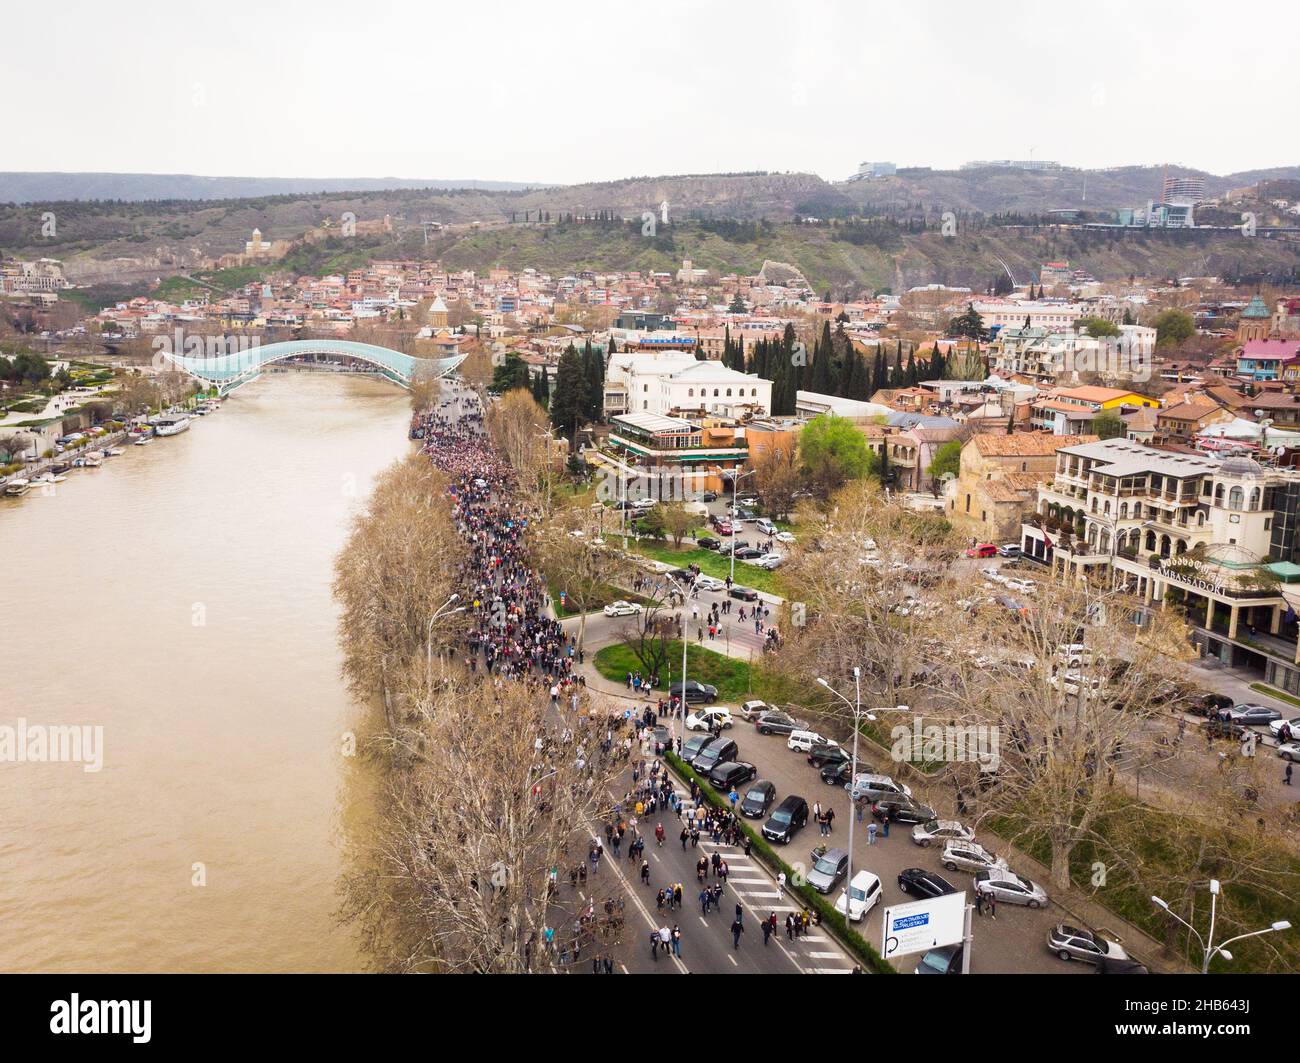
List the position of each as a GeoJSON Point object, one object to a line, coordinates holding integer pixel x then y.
{"type": "Point", "coordinates": [789, 926]}
{"type": "Point", "coordinates": [767, 932]}
{"type": "Point", "coordinates": [1287, 775]}
{"type": "Point", "coordinates": [884, 823]}
{"type": "Point", "coordinates": [979, 903]}
{"type": "Point", "coordinates": [992, 902]}
{"type": "Point", "coordinates": [871, 833]}
{"type": "Point", "coordinates": [737, 928]}
{"type": "Point", "coordinates": [677, 941]}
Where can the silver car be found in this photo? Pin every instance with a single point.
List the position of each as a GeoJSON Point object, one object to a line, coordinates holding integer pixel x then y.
{"type": "Point", "coordinates": [828, 869]}
{"type": "Point", "coordinates": [940, 832]}
{"type": "Point", "coordinates": [1009, 888]}
{"type": "Point", "coordinates": [971, 856]}
{"type": "Point", "coordinates": [1073, 943]}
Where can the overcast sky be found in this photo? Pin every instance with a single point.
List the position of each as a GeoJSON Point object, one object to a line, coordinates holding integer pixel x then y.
{"type": "Point", "coordinates": [561, 91]}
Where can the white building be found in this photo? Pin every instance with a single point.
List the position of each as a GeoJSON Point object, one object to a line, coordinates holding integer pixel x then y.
{"type": "Point", "coordinates": [1052, 317]}
{"type": "Point", "coordinates": [670, 383]}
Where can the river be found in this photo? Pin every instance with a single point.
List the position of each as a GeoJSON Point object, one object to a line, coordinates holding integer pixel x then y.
{"type": "Point", "coordinates": [179, 598]}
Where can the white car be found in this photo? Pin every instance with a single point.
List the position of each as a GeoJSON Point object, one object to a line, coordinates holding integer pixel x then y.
{"type": "Point", "coordinates": [865, 892]}
{"type": "Point", "coordinates": [941, 831]}
{"type": "Point", "coordinates": [709, 583]}
{"type": "Point", "coordinates": [707, 718]}
{"type": "Point", "coordinates": [622, 608]}
{"type": "Point", "coordinates": [765, 526]}
{"type": "Point", "coordinates": [803, 741]}
{"type": "Point", "coordinates": [752, 710]}
{"type": "Point", "coordinates": [1289, 751]}
{"type": "Point", "coordinates": [771, 562]}
{"type": "Point", "coordinates": [1276, 726]}
{"type": "Point", "coordinates": [645, 503]}
{"type": "Point", "coordinates": [784, 537]}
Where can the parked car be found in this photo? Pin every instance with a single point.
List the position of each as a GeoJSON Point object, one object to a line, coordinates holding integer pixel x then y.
{"type": "Point", "coordinates": [661, 736]}
{"type": "Point", "coordinates": [1091, 946]}
{"type": "Point", "coordinates": [709, 496]}
{"type": "Point", "coordinates": [918, 882]}
{"type": "Point", "coordinates": [765, 526]}
{"type": "Point", "coordinates": [1009, 550]}
{"type": "Point", "coordinates": [771, 562]}
{"type": "Point", "coordinates": [752, 710]}
{"type": "Point", "coordinates": [827, 869]}
{"type": "Point", "coordinates": [940, 832]}
{"type": "Point", "coordinates": [826, 753]}
{"type": "Point", "coordinates": [1275, 727]}
{"type": "Point", "coordinates": [970, 856]}
{"type": "Point", "coordinates": [717, 751]}
{"type": "Point", "coordinates": [902, 810]}
{"type": "Point", "coordinates": [731, 773]}
{"type": "Point", "coordinates": [1290, 751]}
{"type": "Point", "coordinates": [790, 816]}
{"type": "Point", "coordinates": [693, 745]}
{"type": "Point", "coordinates": [709, 583]}
{"type": "Point", "coordinates": [837, 774]}
{"type": "Point", "coordinates": [1009, 888]}
{"type": "Point", "coordinates": [788, 537]}
{"type": "Point", "coordinates": [983, 550]}
{"type": "Point", "coordinates": [645, 503]}
{"type": "Point", "coordinates": [747, 500]}
{"type": "Point", "coordinates": [803, 741]}
{"type": "Point", "coordinates": [1217, 728]}
{"type": "Point", "coordinates": [947, 959]}
{"type": "Point", "coordinates": [622, 608]}
{"type": "Point", "coordinates": [1253, 715]}
{"type": "Point", "coordinates": [745, 594]}
{"type": "Point", "coordinates": [707, 719]}
{"type": "Point", "coordinates": [695, 691]}
{"type": "Point", "coordinates": [758, 799]}
{"type": "Point", "coordinates": [877, 787]}
{"type": "Point", "coordinates": [863, 894]}
{"type": "Point", "coordinates": [708, 542]}
{"type": "Point", "coordinates": [682, 575]}
{"type": "Point", "coordinates": [749, 553]}
{"type": "Point", "coordinates": [778, 723]}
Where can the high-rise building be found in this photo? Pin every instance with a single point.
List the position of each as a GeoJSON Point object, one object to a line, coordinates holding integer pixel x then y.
{"type": "Point", "coordinates": [1184, 191]}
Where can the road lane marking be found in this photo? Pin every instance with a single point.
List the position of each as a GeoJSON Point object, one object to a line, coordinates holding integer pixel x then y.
{"type": "Point", "coordinates": [733, 960]}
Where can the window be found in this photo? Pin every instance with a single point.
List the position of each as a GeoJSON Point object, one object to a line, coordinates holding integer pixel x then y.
{"type": "Point", "coordinates": [1254, 498]}
{"type": "Point", "coordinates": [1235, 497]}
{"type": "Point", "coordinates": [715, 393]}
{"type": "Point", "coordinates": [1218, 494]}
{"type": "Point", "coordinates": [728, 392]}
{"type": "Point", "coordinates": [690, 393]}
{"type": "Point", "coordinates": [753, 393]}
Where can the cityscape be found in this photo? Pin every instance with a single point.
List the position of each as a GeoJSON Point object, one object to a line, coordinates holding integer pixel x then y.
{"type": "Point", "coordinates": [783, 565]}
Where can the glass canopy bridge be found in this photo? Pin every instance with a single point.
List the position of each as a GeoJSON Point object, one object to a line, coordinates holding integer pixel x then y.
{"type": "Point", "coordinates": [228, 370]}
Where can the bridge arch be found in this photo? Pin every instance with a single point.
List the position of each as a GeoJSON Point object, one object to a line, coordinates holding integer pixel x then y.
{"type": "Point", "coordinates": [230, 368]}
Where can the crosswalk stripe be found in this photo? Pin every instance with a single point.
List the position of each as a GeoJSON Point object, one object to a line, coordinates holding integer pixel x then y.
{"type": "Point", "coordinates": [733, 881]}
{"type": "Point", "coordinates": [829, 970]}
{"type": "Point", "coordinates": [824, 955]}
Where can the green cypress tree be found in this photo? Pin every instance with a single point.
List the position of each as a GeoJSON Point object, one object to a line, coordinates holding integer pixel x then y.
{"type": "Point", "coordinates": [569, 402]}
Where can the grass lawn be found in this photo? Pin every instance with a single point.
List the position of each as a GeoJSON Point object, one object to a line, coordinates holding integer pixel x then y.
{"type": "Point", "coordinates": [735, 679]}
{"type": "Point", "coordinates": [711, 564]}
{"type": "Point", "coordinates": [1273, 692]}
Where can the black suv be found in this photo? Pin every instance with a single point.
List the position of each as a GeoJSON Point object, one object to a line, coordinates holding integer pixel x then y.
{"type": "Point", "coordinates": [837, 774]}
{"type": "Point", "coordinates": [708, 542]}
{"type": "Point", "coordinates": [731, 773]}
{"type": "Point", "coordinates": [902, 810]}
{"type": "Point", "coordinates": [695, 692]}
{"type": "Point", "coordinates": [715, 753]}
{"type": "Point", "coordinates": [821, 755]}
{"type": "Point", "coordinates": [745, 594]}
{"type": "Point", "coordinates": [786, 821]}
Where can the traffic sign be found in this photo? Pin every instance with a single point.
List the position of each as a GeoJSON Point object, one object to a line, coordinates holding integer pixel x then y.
{"type": "Point", "coordinates": [919, 926]}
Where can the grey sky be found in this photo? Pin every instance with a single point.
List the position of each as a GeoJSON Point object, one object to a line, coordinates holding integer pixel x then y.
{"type": "Point", "coordinates": [573, 91]}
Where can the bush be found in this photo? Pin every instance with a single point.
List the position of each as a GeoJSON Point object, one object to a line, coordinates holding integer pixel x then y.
{"type": "Point", "coordinates": [830, 918]}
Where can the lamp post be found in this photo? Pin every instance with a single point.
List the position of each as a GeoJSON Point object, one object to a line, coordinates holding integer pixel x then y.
{"type": "Point", "coordinates": [859, 714]}
{"type": "Point", "coordinates": [428, 637]}
{"type": "Point", "coordinates": [735, 485]}
{"type": "Point", "coordinates": [1208, 948]}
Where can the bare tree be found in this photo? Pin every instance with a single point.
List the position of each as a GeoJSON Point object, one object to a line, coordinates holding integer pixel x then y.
{"type": "Point", "coordinates": [492, 795]}
{"type": "Point", "coordinates": [576, 565]}
{"type": "Point", "coordinates": [777, 476]}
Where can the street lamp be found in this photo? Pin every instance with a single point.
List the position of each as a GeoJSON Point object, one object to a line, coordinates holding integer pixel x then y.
{"type": "Point", "coordinates": [428, 638]}
{"type": "Point", "coordinates": [859, 714]}
{"type": "Point", "coordinates": [736, 477]}
{"type": "Point", "coordinates": [1208, 948]}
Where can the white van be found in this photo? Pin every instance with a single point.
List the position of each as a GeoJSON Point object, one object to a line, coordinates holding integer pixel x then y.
{"type": "Point", "coordinates": [765, 526]}
{"type": "Point", "coordinates": [696, 509]}
{"type": "Point", "coordinates": [803, 741]}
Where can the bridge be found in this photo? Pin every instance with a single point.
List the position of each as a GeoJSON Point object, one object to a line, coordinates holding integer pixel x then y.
{"type": "Point", "coordinates": [229, 369]}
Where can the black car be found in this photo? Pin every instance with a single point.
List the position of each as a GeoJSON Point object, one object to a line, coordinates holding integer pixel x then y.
{"type": "Point", "coordinates": [821, 755]}
{"type": "Point", "coordinates": [903, 810]}
{"type": "Point", "coordinates": [837, 774]}
{"type": "Point", "coordinates": [624, 505]}
{"type": "Point", "coordinates": [709, 496]}
{"type": "Point", "coordinates": [693, 745]}
{"type": "Point", "coordinates": [682, 575]}
{"type": "Point", "coordinates": [918, 882]}
{"type": "Point", "coordinates": [745, 594]}
{"type": "Point", "coordinates": [695, 691]}
{"type": "Point", "coordinates": [777, 723]}
{"type": "Point", "coordinates": [944, 960]}
{"type": "Point", "coordinates": [661, 736]}
{"type": "Point", "coordinates": [790, 816]}
{"type": "Point", "coordinates": [717, 751]}
{"type": "Point", "coordinates": [1217, 728]}
{"type": "Point", "coordinates": [708, 542]}
{"type": "Point", "coordinates": [758, 799]}
{"type": "Point", "coordinates": [731, 773]}
{"type": "Point", "coordinates": [748, 553]}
